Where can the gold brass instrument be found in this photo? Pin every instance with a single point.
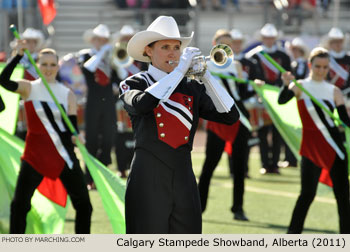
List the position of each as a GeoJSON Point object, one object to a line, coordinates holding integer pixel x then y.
{"type": "Point", "coordinates": [120, 57]}
{"type": "Point", "coordinates": [221, 55]}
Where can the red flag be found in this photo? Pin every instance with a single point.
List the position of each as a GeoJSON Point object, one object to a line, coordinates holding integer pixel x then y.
{"type": "Point", "coordinates": [47, 10]}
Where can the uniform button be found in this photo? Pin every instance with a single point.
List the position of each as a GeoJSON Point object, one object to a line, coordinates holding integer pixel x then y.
{"type": "Point", "coordinates": [159, 114]}
{"type": "Point", "coordinates": [186, 138]}
{"type": "Point", "coordinates": [161, 125]}
{"type": "Point", "coordinates": [189, 108]}
{"type": "Point", "coordinates": [103, 99]}
{"type": "Point", "coordinates": [189, 99]}
{"type": "Point", "coordinates": [162, 134]}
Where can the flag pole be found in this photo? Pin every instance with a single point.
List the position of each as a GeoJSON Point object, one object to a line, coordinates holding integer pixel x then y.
{"type": "Point", "coordinates": [346, 128]}
{"type": "Point", "coordinates": [282, 70]}
{"type": "Point", "coordinates": [63, 113]}
{"type": "Point", "coordinates": [110, 187]}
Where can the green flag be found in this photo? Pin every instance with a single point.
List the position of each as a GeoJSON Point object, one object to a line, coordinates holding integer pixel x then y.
{"type": "Point", "coordinates": [45, 217]}
{"type": "Point", "coordinates": [285, 117]}
{"type": "Point", "coordinates": [8, 117]}
{"type": "Point", "coordinates": [111, 189]}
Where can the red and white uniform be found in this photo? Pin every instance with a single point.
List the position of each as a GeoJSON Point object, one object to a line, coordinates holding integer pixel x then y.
{"type": "Point", "coordinates": [48, 143]}
{"type": "Point", "coordinates": [321, 140]}
{"type": "Point", "coordinates": [339, 69]}
{"type": "Point", "coordinates": [29, 70]}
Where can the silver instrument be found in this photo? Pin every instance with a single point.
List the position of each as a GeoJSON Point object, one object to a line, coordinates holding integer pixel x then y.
{"type": "Point", "coordinates": [221, 55]}
{"type": "Point", "coordinates": [120, 57]}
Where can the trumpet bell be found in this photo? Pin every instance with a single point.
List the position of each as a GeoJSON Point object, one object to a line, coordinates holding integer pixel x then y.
{"type": "Point", "coordinates": [221, 55]}
{"type": "Point", "coordinates": [120, 57]}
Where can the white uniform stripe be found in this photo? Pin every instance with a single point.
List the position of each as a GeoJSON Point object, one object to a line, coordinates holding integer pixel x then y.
{"type": "Point", "coordinates": [323, 129]}
{"type": "Point", "coordinates": [57, 116]}
{"type": "Point", "coordinates": [181, 107]}
{"type": "Point", "coordinates": [52, 133]}
{"type": "Point", "coordinates": [149, 81]}
{"type": "Point", "coordinates": [267, 63]}
{"type": "Point", "coordinates": [178, 116]}
{"type": "Point", "coordinates": [338, 69]}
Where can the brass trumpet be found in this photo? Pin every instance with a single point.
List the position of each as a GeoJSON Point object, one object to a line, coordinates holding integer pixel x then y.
{"type": "Point", "coordinates": [221, 55]}
{"type": "Point", "coordinates": [120, 57]}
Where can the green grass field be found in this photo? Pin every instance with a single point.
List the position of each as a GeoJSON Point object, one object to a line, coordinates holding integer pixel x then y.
{"type": "Point", "coordinates": [268, 202]}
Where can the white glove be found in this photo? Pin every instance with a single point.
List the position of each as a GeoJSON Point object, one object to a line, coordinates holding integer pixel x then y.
{"type": "Point", "coordinates": [223, 102]}
{"type": "Point", "coordinates": [105, 48]}
{"type": "Point", "coordinates": [186, 59]}
{"type": "Point", "coordinates": [95, 60]}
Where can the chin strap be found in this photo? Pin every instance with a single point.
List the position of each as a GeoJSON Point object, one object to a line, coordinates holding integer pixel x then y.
{"type": "Point", "coordinates": [222, 100]}
{"type": "Point", "coordinates": [166, 86]}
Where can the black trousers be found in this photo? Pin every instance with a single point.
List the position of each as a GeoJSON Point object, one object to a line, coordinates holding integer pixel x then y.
{"type": "Point", "coordinates": [29, 179]}
{"type": "Point", "coordinates": [214, 149]}
{"type": "Point", "coordinates": [310, 174]}
{"type": "Point", "coordinates": [124, 149]}
{"type": "Point", "coordinates": [269, 153]}
{"type": "Point", "coordinates": [160, 199]}
{"type": "Point", "coordinates": [100, 120]}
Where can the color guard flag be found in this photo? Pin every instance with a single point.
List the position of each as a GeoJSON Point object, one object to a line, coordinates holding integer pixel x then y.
{"type": "Point", "coordinates": [47, 10]}
{"type": "Point", "coordinates": [45, 217]}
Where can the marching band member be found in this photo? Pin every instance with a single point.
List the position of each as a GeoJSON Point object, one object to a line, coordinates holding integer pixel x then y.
{"type": "Point", "coordinates": [164, 107]}
{"type": "Point", "coordinates": [125, 66]}
{"type": "Point", "coordinates": [299, 65]}
{"type": "Point", "coordinates": [300, 69]}
{"type": "Point", "coordinates": [322, 150]}
{"type": "Point", "coordinates": [339, 61]}
{"type": "Point", "coordinates": [270, 74]}
{"type": "Point", "coordinates": [100, 116]}
{"type": "Point", "coordinates": [49, 149]}
{"type": "Point", "coordinates": [236, 135]}
{"type": "Point", "coordinates": [34, 40]}
{"type": "Point", "coordinates": [249, 73]}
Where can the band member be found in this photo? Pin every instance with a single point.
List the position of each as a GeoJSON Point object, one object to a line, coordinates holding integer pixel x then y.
{"type": "Point", "coordinates": [270, 152]}
{"type": "Point", "coordinates": [236, 135]}
{"type": "Point", "coordinates": [299, 52]}
{"type": "Point", "coordinates": [322, 150]}
{"type": "Point", "coordinates": [125, 66]}
{"type": "Point", "coordinates": [49, 149]}
{"type": "Point", "coordinates": [100, 116]}
{"type": "Point", "coordinates": [339, 61]}
{"type": "Point", "coordinates": [35, 40]}
{"type": "Point", "coordinates": [164, 107]}
{"type": "Point", "coordinates": [246, 91]}
{"type": "Point", "coordinates": [300, 69]}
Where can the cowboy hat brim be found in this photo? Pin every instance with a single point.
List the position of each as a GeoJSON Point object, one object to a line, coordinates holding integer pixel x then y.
{"type": "Point", "coordinates": [140, 40]}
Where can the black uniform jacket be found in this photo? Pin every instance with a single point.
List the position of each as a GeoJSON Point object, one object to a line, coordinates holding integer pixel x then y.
{"type": "Point", "coordinates": [264, 70]}
{"type": "Point", "coordinates": [166, 129]}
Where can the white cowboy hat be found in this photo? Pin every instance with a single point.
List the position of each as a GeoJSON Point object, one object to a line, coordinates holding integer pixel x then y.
{"type": "Point", "coordinates": [335, 33]}
{"type": "Point", "coordinates": [269, 30]}
{"type": "Point", "coordinates": [31, 33]}
{"type": "Point", "coordinates": [299, 43]}
{"type": "Point", "coordinates": [126, 30]}
{"type": "Point", "coordinates": [162, 28]}
{"type": "Point", "coordinates": [236, 34]}
{"type": "Point", "coordinates": [99, 31]}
